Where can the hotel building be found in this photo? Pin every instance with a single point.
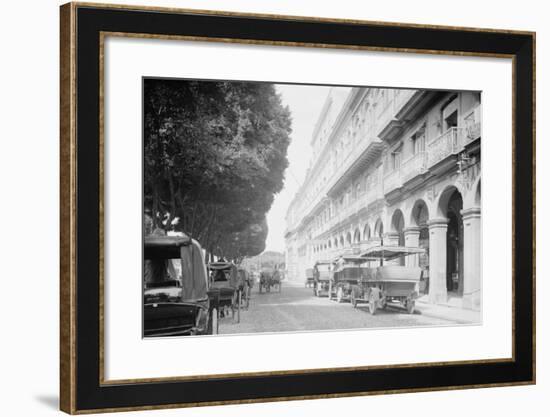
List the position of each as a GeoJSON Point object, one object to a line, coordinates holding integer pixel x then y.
{"type": "Point", "coordinates": [398, 167]}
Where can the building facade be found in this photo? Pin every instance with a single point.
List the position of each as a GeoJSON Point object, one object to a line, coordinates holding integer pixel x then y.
{"type": "Point", "coordinates": [398, 167]}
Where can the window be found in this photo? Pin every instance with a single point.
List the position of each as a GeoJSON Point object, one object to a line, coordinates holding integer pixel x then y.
{"type": "Point", "coordinates": [395, 161]}
{"type": "Point", "coordinates": [419, 140]}
{"type": "Point", "coordinates": [449, 114]}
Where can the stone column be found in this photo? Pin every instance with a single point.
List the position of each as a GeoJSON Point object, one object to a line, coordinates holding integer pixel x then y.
{"type": "Point", "coordinates": [412, 240]}
{"type": "Point", "coordinates": [471, 219]}
{"type": "Point", "coordinates": [438, 260]}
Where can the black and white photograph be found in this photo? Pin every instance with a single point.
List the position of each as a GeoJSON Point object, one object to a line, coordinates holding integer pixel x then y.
{"type": "Point", "coordinates": [276, 207]}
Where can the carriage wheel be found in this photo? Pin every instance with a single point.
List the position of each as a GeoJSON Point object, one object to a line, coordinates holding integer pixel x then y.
{"type": "Point", "coordinates": [339, 295]}
{"type": "Point", "coordinates": [372, 304]}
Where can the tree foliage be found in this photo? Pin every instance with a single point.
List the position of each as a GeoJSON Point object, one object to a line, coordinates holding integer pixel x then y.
{"type": "Point", "coordinates": [214, 157]}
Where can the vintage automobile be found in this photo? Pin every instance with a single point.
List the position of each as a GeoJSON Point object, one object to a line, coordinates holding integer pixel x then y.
{"type": "Point", "coordinates": [270, 278]}
{"type": "Point", "coordinates": [347, 271]}
{"type": "Point", "coordinates": [388, 284]}
{"type": "Point", "coordinates": [175, 298]}
{"type": "Point", "coordinates": [225, 290]}
{"type": "Point", "coordinates": [310, 280]}
{"type": "Point", "coordinates": [321, 277]}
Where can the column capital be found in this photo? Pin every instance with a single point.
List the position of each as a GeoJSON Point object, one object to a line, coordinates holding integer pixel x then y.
{"type": "Point", "coordinates": [438, 223]}
{"type": "Point", "coordinates": [412, 230]}
{"type": "Point", "coordinates": [471, 213]}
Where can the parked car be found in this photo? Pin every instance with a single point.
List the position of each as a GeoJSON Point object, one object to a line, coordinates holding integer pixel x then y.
{"type": "Point", "coordinates": [388, 283]}
{"type": "Point", "coordinates": [321, 275]}
{"type": "Point", "coordinates": [347, 271]}
{"type": "Point", "coordinates": [175, 299]}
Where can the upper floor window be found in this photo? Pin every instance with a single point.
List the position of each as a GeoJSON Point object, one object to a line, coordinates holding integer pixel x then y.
{"type": "Point", "coordinates": [395, 160]}
{"type": "Point", "coordinates": [449, 114]}
{"type": "Point", "coordinates": [419, 140]}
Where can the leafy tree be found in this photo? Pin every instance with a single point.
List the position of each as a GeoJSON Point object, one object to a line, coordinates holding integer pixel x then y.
{"type": "Point", "coordinates": [215, 155]}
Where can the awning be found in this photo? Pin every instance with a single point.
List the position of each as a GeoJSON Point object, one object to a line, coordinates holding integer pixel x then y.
{"type": "Point", "coordinates": [388, 253]}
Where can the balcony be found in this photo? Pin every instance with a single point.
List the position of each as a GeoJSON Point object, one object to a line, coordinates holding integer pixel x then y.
{"type": "Point", "coordinates": [392, 181]}
{"type": "Point", "coordinates": [445, 145]}
{"type": "Point", "coordinates": [405, 106]}
{"type": "Point", "coordinates": [374, 193]}
{"type": "Point", "coordinates": [414, 166]}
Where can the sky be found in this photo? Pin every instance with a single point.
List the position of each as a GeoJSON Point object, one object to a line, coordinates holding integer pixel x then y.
{"type": "Point", "coordinates": [305, 103]}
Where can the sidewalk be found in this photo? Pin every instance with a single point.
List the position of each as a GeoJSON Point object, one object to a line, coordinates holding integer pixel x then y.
{"type": "Point", "coordinates": [449, 311]}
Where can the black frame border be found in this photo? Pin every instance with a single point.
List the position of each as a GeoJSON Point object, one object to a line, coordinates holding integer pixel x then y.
{"type": "Point", "coordinates": [85, 391]}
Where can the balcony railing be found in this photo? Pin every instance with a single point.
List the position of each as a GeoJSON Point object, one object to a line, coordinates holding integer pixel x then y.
{"type": "Point", "coordinates": [414, 166]}
{"type": "Point", "coordinates": [392, 181]}
{"type": "Point", "coordinates": [449, 143]}
{"type": "Point", "coordinates": [374, 193]}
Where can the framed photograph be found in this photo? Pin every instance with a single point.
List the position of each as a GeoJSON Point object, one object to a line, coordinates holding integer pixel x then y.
{"type": "Point", "coordinates": [263, 208]}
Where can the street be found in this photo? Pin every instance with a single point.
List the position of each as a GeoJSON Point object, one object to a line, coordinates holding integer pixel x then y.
{"type": "Point", "coordinates": [295, 308]}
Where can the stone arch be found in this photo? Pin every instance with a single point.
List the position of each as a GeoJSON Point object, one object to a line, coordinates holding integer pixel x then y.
{"type": "Point", "coordinates": [378, 228]}
{"type": "Point", "coordinates": [366, 232]}
{"type": "Point", "coordinates": [444, 198]}
{"type": "Point", "coordinates": [420, 213]}
{"type": "Point", "coordinates": [357, 236]}
{"type": "Point", "coordinates": [348, 239]}
{"type": "Point", "coordinates": [335, 242]}
{"type": "Point", "coordinates": [449, 207]}
{"type": "Point", "coordinates": [329, 244]}
{"type": "Point", "coordinates": [342, 241]}
{"type": "Point", "coordinates": [397, 232]}
{"type": "Point", "coordinates": [397, 222]}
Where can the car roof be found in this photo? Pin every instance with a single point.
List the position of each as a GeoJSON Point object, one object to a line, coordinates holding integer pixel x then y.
{"type": "Point", "coordinates": [164, 247]}
{"type": "Point", "coordinates": [221, 265]}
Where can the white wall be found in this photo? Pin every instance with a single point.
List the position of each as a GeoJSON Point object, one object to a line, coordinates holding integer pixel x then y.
{"type": "Point", "coordinates": [29, 206]}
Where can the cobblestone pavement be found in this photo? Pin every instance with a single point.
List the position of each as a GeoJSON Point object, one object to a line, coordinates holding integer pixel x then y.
{"type": "Point", "coordinates": [295, 308]}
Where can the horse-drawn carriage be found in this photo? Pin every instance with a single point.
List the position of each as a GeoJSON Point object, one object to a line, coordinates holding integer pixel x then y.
{"type": "Point", "coordinates": [321, 277]}
{"type": "Point", "coordinates": [226, 288]}
{"type": "Point", "coordinates": [175, 294]}
{"type": "Point", "coordinates": [270, 278]}
{"type": "Point", "coordinates": [389, 284]}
